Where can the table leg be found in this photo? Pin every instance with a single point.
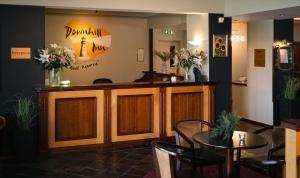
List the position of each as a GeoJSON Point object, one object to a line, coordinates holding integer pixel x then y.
{"type": "Point", "coordinates": [229, 163]}
{"type": "Point", "coordinates": [237, 166]}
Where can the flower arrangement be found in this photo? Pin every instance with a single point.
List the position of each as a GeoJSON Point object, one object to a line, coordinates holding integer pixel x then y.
{"type": "Point", "coordinates": [55, 57]}
{"type": "Point", "coordinates": [185, 58]}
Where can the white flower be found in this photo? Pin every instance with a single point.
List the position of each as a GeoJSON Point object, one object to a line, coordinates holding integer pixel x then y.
{"type": "Point", "coordinates": [54, 45]}
{"type": "Point", "coordinates": [44, 56]}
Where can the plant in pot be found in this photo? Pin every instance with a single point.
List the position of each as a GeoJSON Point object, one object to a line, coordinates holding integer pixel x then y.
{"type": "Point", "coordinates": [290, 92]}
{"type": "Point", "coordinates": [25, 115]}
{"type": "Point", "coordinates": [164, 56]}
{"type": "Point", "coordinates": [225, 126]}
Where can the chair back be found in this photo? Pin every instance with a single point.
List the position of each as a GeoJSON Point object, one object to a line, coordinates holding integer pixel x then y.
{"type": "Point", "coordinates": [185, 130]}
{"type": "Point", "coordinates": [2, 122]}
{"type": "Point", "coordinates": [102, 80]}
{"type": "Point", "coordinates": [164, 161]}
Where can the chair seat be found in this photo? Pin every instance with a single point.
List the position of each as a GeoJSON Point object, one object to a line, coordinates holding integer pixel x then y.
{"type": "Point", "coordinates": [203, 157]}
{"type": "Point", "coordinates": [255, 163]}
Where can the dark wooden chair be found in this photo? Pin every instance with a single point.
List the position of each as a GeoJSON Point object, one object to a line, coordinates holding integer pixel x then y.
{"type": "Point", "coordinates": [270, 159]}
{"type": "Point", "coordinates": [102, 80]}
{"type": "Point", "coordinates": [184, 131]}
{"type": "Point", "coordinates": [165, 157]}
{"type": "Point", "coordinates": [2, 122]}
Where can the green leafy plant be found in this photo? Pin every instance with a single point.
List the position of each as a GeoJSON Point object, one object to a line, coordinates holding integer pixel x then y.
{"type": "Point", "coordinates": [292, 85]}
{"type": "Point", "coordinates": [225, 126]}
{"type": "Point", "coordinates": [25, 112]}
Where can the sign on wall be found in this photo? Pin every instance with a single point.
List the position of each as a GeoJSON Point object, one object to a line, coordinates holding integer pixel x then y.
{"type": "Point", "coordinates": [89, 42]}
{"type": "Point", "coordinates": [259, 57]}
{"type": "Point", "coordinates": [20, 53]}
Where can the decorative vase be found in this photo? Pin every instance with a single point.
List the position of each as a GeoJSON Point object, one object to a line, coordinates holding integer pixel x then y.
{"type": "Point", "coordinates": [164, 67]}
{"type": "Point", "coordinates": [186, 74]}
{"type": "Point", "coordinates": [54, 77]}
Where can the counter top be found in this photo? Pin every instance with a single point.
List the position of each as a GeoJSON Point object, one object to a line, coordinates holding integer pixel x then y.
{"type": "Point", "coordinates": [121, 86]}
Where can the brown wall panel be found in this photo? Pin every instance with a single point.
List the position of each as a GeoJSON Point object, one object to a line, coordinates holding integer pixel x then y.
{"type": "Point", "coordinates": [134, 114]}
{"type": "Point", "coordinates": [187, 106]}
{"type": "Point", "coordinates": [75, 118]}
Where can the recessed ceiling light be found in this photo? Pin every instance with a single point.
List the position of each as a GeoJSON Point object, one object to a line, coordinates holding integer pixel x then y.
{"type": "Point", "coordinates": [282, 15]}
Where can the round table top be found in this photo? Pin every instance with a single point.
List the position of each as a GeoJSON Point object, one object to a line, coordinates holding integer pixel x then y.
{"type": "Point", "coordinates": [251, 141]}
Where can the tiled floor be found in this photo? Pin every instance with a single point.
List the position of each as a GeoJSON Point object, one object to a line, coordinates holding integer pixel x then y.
{"type": "Point", "coordinates": [130, 162]}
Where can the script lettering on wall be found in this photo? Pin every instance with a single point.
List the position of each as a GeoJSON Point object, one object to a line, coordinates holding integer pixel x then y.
{"type": "Point", "coordinates": [20, 53]}
{"type": "Point", "coordinates": [89, 42]}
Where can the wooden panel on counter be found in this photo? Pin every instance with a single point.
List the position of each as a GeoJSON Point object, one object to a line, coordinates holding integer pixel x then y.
{"type": "Point", "coordinates": [75, 118]}
{"type": "Point", "coordinates": [108, 115]}
{"type": "Point", "coordinates": [134, 114]}
{"type": "Point", "coordinates": [187, 103]}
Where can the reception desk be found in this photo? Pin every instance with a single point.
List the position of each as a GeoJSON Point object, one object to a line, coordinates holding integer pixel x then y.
{"type": "Point", "coordinates": [112, 114]}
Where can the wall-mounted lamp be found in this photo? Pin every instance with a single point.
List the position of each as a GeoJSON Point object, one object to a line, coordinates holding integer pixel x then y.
{"type": "Point", "coordinates": [238, 38]}
{"type": "Point", "coordinates": [196, 42]}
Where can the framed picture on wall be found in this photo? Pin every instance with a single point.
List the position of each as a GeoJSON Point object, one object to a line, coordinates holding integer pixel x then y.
{"type": "Point", "coordinates": [220, 45]}
{"type": "Point", "coordinates": [140, 54]}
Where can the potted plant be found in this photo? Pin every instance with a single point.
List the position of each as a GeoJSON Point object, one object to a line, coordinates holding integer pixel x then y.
{"type": "Point", "coordinates": [25, 116]}
{"type": "Point", "coordinates": [290, 92]}
{"type": "Point", "coordinates": [164, 56]}
{"type": "Point", "coordinates": [292, 86]}
{"type": "Point", "coordinates": [225, 126]}
{"type": "Point", "coordinates": [54, 59]}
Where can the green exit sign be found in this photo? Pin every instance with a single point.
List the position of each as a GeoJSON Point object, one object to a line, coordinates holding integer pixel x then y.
{"type": "Point", "coordinates": [168, 32]}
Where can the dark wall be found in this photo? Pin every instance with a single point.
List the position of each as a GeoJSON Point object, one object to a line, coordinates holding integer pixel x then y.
{"type": "Point", "coordinates": [283, 30]}
{"type": "Point", "coordinates": [220, 68]}
{"type": "Point", "coordinates": [21, 26]}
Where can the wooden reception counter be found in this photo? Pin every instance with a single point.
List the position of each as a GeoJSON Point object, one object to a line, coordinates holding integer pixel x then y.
{"type": "Point", "coordinates": [113, 114]}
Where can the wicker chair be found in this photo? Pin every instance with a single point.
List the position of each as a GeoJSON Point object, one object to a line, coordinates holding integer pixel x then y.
{"type": "Point", "coordinates": [165, 156]}
{"type": "Point", "coordinates": [2, 122]}
{"type": "Point", "coordinates": [184, 131]}
{"type": "Point", "coordinates": [270, 159]}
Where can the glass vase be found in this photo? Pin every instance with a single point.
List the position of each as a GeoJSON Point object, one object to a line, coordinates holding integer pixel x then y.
{"type": "Point", "coordinates": [54, 77]}
{"type": "Point", "coordinates": [164, 67]}
{"type": "Point", "coordinates": [186, 74]}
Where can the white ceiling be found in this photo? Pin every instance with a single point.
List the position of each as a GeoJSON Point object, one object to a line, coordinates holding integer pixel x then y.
{"type": "Point", "coordinates": [286, 13]}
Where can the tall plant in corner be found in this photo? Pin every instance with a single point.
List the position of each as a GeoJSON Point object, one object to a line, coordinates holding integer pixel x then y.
{"type": "Point", "coordinates": [25, 115]}
{"type": "Point", "coordinates": [292, 86]}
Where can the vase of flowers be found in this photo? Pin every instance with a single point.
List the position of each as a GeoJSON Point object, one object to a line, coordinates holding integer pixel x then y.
{"type": "Point", "coordinates": [164, 56]}
{"type": "Point", "coordinates": [54, 59]}
{"type": "Point", "coordinates": [186, 59]}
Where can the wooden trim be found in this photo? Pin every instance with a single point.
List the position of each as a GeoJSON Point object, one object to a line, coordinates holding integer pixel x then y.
{"type": "Point", "coordinates": [255, 122]}
{"type": "Point", "coordinates": [290, 153]}
{"type": "Point", "coordinates": [207, 103]}
{"type": "Point", "coordinates": [99, 94]}
{"type": "Point", "coordinates": [292, 123]}
{"type": "Point", "coordinates": [114, 120]}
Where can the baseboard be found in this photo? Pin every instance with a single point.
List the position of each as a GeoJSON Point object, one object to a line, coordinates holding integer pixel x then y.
{"type": "Point", "coordinates": [255, 122]}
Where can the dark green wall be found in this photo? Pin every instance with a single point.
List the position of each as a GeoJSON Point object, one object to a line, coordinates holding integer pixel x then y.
{"type": "Point", "coordinates": [20, 26]}
{"type": "Point", "coordinates": [220, 68]}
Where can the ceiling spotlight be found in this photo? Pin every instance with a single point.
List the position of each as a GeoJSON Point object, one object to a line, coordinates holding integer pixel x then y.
{"type": "Point", "coordinates": [282, 15]}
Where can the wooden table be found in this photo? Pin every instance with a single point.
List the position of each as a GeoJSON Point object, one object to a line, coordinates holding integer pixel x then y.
{"type": "Point", "coordinates": [252, 141]}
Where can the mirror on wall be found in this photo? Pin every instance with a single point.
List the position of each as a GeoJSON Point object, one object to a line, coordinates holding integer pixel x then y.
{"type": "Point", "coordinates": [284, 55]}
